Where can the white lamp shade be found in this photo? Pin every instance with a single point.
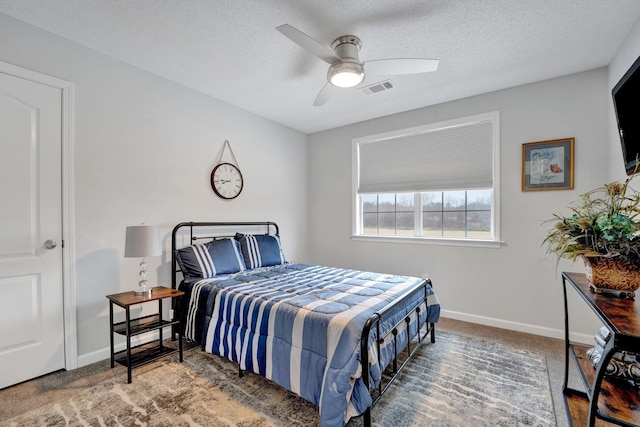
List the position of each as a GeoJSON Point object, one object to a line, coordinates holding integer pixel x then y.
{"type": "Point", "coordinates": [142, 241]}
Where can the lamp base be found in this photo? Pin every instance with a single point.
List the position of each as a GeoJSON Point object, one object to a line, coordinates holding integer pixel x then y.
{"type": "Point", "coordinates": [143, 285]}
{"type": "Point", "coordinates": [146, 292]}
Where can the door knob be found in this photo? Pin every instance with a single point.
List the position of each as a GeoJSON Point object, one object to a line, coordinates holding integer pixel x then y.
{"type": "Point", "coordinates": [50, 244]}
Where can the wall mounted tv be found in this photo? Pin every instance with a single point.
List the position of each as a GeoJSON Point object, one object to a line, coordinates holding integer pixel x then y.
{"type": "Point", "coordinates": [626, 101]}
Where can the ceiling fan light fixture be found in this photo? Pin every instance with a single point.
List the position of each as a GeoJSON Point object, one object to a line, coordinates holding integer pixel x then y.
{"type": "Point", "coordinates": [345, 74]}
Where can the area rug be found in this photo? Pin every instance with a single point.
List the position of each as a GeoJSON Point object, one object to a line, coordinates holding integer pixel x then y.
{"type": "Point", "coordinates": [458, 381]}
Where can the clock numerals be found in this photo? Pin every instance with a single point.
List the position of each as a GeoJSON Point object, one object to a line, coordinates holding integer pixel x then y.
{"type": "Point", "coordinates": [226, 181]}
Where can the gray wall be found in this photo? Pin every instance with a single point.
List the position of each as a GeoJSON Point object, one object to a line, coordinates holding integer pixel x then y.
{"type": "Point", "coordinates": [514, 286]}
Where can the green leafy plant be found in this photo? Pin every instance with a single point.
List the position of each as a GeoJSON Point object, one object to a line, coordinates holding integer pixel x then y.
{"type": "Point", "coordinates": [604, 222]}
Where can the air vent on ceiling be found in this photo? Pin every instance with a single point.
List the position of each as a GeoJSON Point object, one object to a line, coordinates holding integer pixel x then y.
{"type": "Point", "coordinates": [378, 87]}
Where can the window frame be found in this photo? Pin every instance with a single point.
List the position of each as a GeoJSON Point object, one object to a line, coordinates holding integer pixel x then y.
{"type": "Point", "coordinates": [494, 118]}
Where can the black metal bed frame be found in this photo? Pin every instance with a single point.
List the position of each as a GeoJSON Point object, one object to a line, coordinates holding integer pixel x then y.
{"type": "Point", "coordinates": [394, 369]}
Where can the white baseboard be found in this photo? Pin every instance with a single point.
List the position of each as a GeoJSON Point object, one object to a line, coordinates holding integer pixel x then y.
{"type": "Point", "coordinates": [517, 326]}
{"type": "Point", "coordinates": [94, 356]}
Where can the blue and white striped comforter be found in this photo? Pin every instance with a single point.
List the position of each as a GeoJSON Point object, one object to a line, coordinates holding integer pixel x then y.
{"type": "Point", "coordinates": [300, 326]}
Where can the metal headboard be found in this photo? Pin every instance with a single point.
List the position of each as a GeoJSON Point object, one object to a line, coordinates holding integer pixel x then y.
{"type": "Point", "coordinates": [204, 230]}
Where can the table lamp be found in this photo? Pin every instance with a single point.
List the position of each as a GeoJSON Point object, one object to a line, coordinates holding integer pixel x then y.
{"type": "Point", "coordinates": [142, 241]}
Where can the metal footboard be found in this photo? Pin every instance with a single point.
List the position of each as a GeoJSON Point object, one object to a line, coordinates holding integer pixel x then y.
{"type": "Point", "coordinates": [374, 322]}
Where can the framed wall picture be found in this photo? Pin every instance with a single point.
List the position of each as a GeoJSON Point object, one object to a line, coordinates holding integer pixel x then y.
{"type": "Point", "coordinates": [547, 165]}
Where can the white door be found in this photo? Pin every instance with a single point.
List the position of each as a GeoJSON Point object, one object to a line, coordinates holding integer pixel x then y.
{"type": "Point", "coordinates": [31, 291]}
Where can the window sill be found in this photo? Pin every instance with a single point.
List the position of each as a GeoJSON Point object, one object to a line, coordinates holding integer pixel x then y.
{"type": "Point", "coordinates": [443, 241]}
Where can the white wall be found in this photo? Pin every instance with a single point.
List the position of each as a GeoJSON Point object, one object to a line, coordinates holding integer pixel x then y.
{"type": "Point", "coordinates": [144, 149]}
{"type": "Point", "coordinates": [514, 286]}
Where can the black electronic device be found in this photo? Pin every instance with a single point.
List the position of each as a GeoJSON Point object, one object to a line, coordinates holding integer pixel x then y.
{"type": "Point", "coordinates": [626, 101]}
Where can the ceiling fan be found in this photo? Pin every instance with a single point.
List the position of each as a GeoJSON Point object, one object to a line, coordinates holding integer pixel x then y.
{"type": "Point", "coordinates": [346, 70]}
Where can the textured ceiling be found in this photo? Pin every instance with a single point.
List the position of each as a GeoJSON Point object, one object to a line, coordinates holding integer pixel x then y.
{"type": "Point", "coordinates": [231, 50]}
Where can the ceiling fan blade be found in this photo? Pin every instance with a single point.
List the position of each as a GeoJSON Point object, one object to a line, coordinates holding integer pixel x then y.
{"type": "Point", "coordinates": [385, 67]}
{"type": "Point", "coordinates": [323, 96]}
{"type": "Point", "coordinates": [309, 44]}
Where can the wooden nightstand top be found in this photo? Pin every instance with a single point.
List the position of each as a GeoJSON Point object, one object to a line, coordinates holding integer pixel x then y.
{"type": "Point", "coordinates": [125, 299]}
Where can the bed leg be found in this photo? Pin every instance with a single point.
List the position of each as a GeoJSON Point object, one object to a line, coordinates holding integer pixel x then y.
{"type": "Point", "coordinates": [240, 372]}
{"type": "Point", "coordinates": [433, 332]}
{"type": "Point", "coordinates": [367, 417]}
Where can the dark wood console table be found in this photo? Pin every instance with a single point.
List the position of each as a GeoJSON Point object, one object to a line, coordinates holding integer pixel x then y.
{"type": "Point", "coordinates": [605, 402]}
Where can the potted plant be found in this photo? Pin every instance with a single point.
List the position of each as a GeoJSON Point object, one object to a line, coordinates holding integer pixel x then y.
{"type": "Point", "coordinates": [603, 229]}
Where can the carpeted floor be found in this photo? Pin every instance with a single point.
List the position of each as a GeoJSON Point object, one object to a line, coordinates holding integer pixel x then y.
{"type": "Point", "coordinates": [458, 381]}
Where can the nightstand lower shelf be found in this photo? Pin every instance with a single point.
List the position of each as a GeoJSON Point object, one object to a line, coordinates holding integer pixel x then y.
{"type": "Point", "coordinates": [143, 354]}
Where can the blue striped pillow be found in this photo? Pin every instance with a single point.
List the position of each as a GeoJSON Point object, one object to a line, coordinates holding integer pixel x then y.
{"type": "Point", "coordinates": [216, 257]}
{"type": "Point", "coordinates": [260, 250]}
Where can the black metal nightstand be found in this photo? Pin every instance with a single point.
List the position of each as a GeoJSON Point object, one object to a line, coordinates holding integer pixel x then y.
{"type": "Point", "coordinates": [136, 356]}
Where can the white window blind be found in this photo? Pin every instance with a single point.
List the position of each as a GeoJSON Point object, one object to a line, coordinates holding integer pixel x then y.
{"type": "Point", "coordinates": [447, 158]}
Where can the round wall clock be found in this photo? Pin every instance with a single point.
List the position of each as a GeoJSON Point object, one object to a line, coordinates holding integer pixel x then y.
{"type": "Point", "coordinates": [226, 180]}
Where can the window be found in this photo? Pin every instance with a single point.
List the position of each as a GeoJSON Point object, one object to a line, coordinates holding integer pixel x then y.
{"type": "Point", "coordinates": [388, 214]}
{"type": "Point", "coordinates": [431, 182]}
{"type": "Point", "coordinates": [457, 214]}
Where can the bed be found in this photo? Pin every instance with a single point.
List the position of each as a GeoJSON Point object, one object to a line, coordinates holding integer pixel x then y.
{"type": "Point", "coordinates": [308, 328]}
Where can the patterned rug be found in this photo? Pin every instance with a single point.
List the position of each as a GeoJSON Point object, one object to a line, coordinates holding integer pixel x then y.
{"type": "Point", "coordinates": [458, 381]}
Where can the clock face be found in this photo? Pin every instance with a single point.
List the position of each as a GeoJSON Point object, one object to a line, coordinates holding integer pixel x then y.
{"type": "Point", "coordinates": [226, 180]}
